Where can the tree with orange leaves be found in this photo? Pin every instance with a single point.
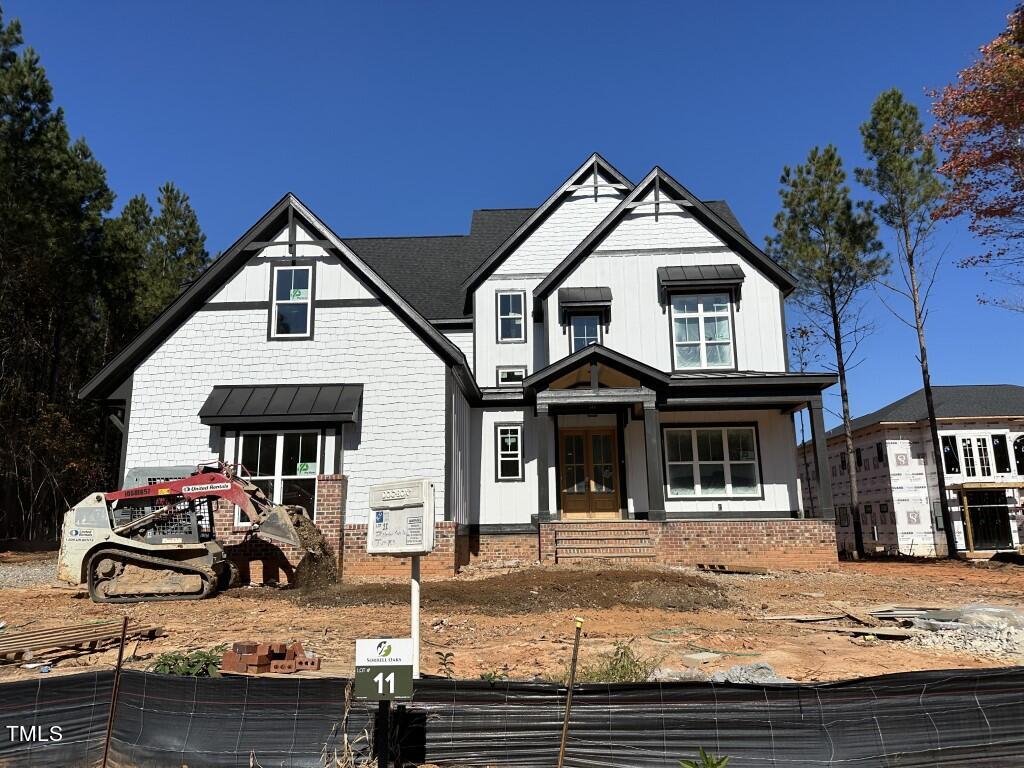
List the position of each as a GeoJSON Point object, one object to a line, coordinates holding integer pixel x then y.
{"type": "Point", "coordinates": [980, 128]}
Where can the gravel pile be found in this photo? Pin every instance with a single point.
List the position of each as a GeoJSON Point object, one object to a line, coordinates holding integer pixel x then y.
{"type": "Point", "coordinates": [751, 674]}
{"type": "Point", "coordinates": [29, 573]}
{"type": "Point", "coordinates": [999, 641]}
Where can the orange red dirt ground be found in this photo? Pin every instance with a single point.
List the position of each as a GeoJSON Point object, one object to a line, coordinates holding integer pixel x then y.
{"type": "Point", "coordinates": [520, 623]}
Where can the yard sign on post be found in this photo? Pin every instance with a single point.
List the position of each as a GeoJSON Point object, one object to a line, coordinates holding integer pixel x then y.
{"type": "Point", "coordinates": [402, 524]}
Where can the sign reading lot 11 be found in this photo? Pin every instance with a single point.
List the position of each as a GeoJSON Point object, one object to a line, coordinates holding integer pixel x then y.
{"type": "Point", "coordinates": [401, 518]}
{"type": "Point", "coordinates": [383, 669]}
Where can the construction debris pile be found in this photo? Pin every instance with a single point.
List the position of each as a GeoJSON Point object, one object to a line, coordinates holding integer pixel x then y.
{"type": "Point", "coordinates": [69, 641]}
{"type": "Point", "coordinates": [978, 629]}
{"type": "Point", "coordinates": [982, 630]}
{"type": "Point", "coordinates": [252, 658]}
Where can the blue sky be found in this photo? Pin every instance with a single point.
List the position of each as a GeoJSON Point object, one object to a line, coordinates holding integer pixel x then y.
{"type": "Point", "coordinates": [401, 117]}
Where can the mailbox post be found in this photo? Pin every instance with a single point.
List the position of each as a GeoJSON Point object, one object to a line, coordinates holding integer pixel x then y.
{"type": "Point", "coordinates": [402, 525]}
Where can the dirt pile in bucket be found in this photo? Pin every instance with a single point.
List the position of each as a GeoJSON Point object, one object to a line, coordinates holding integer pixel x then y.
{"type": "Point", "coordinates": [318, 569]}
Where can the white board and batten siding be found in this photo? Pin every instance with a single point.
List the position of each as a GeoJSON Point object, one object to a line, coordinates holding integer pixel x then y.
{"type": "Point", "coordinates": [522, 270]}
{"type": "Point", "coordinates": [507, 502]}
{"type": "Point", "coordinates": [401, 429]}
{"type": "Point", "coordinates": [627, 262]}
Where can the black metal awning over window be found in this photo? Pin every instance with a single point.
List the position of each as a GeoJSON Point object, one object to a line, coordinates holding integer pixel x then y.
{"type": "Point", "coordinates": [596, 301]}
{"type": "Point", "coordinates": [282, 404]}
{"type": "Point", "coordinates": [699, 276]}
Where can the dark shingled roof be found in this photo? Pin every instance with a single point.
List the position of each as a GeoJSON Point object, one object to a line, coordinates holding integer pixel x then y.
{"type": "Point", "coordinates": [963, 400]}
{"type": "Point", "coordinates": [428, 271]}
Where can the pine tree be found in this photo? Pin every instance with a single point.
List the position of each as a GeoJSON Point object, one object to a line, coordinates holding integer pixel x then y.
{"type": "Point", "coordinates": [831, 247]}
{"type": "Point", "coordinates": [903, 175]}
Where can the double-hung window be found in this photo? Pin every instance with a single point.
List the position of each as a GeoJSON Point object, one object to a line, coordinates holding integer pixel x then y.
{"type": "Point", "coordinates": [711, 461]}
{"type": "Point", "coordinates": [284, 465]}
{"type": "Point", "coordinates": [292, 306]}
{"type": "Point", "coordinates": [509, 451]}
{"type": "Point", "coordinates": [702, 331]}
{"type": "Point", "coordinates": [511, 319]}
{"type": "Point", "coordinates": [584, 330]}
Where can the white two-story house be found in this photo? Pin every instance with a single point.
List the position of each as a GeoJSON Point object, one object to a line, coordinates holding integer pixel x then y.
{"type": "Point", "coordinates": [604, 375]}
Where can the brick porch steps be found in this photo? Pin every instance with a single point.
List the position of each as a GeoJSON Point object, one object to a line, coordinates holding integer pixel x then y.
{"type": "Point", "coordinates": [577, 542]}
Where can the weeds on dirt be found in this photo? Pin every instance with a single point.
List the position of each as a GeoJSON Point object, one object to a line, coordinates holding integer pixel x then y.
{"type": "Point", "coordinates": [705, 760]}
{"type": "Point", "coordinates": [622, 664]}
{"type": "Point", "coordinates": [446, 663]}
{"type": "Point", "coordinates": [493, 676]}
{"type": "Point", "coordinates": [195, 664]}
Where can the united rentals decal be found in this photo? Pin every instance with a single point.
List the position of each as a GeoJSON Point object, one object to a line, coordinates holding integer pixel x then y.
{"type": "Point", "coordinates": [206, 488]}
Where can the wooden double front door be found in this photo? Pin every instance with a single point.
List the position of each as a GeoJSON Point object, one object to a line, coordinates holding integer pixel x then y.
{"type": "Point", "coordinates": [589, 472]}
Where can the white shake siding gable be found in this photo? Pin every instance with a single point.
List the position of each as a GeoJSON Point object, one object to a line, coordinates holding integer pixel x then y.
{"type": "Point", "coordinates": [401, 429]}
{"type": "Point", "coordinates": [560, 232]}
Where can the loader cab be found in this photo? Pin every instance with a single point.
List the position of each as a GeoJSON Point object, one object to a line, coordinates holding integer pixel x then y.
{"type": "Point", "coordinates": [191, 524]}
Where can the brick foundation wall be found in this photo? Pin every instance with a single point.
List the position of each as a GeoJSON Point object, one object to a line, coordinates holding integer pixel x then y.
{"type": "Point", "coordinates": [797, 545]}
{"type": "Point", "coordinates": [502, 547]}
{"type": "Point", "coordinates": [260, 561]}
{"type": "Point", "coordinates": [355, 563]}
{"type": "Point", "coordinates": [788, 544]}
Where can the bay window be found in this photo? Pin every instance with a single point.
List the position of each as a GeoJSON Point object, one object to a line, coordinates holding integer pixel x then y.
{"type": "Point", "coordinates": [711, 461]}
{"type": "Point", "coordinates": [284, 465]}
{"type": "Point", "coordinates": [702, 331]}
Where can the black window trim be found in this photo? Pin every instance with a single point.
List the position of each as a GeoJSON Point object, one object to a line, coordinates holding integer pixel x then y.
{"type": "Point", "coordinates": [498, 293]}
{"type": "Point", "coordinates": [309, 263]}
{"type": "Point", "coordinates": [569, 315]}
{"type": "Point", "coordinates": [713, 425]}
{"type": "Point", "coordinates": [733, 304]}
{"type": "Point", "coordinates": [497, 452]}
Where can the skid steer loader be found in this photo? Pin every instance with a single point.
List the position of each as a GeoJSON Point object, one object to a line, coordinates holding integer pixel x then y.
{"type": "Point", "coordinates": [157, 541]}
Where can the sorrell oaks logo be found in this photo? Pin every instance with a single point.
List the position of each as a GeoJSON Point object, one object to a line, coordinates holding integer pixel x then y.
{"type": "Point", "coordinates": [384, 648]}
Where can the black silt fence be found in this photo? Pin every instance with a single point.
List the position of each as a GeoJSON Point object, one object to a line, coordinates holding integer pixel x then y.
{"type": "Point", "coordinates": [941, 718]}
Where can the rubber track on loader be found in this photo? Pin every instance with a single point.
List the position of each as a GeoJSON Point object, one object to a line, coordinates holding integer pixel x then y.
{"type": "Point", "coordinates": [127, 556]}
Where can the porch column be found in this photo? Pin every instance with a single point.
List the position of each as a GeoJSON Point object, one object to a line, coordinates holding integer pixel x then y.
{"type": "Point", "coordinates": [544, 427]}
{"type": "Point", "coordinates": [828, 511]}
{"type": "Point", "coordinates": [655, 477]}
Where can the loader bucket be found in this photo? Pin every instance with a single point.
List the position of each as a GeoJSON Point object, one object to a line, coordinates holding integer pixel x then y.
{"type": "Point", "coordinates": [277, 526]}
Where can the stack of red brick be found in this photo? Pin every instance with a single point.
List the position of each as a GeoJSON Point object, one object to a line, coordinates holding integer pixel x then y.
{"type": "Point", "coordinates": [250, 657]}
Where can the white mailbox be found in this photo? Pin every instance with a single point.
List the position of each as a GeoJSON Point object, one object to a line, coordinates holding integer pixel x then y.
{"type": "Point", "coordinates": [401, 518]}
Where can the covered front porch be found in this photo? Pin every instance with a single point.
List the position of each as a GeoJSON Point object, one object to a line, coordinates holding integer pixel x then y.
{"type": "Point", "coordinates": [617, 440]}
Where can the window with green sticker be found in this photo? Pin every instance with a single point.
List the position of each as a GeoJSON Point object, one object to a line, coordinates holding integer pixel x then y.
{"type": "Point", "coordinates": [292, 305]}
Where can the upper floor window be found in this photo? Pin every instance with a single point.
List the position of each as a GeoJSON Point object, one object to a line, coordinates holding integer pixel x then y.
{"type": "Point", "coordinates": [983, 455]}
{"type": "Point", "coordinates": [291, 310]}
{"type": "Point", "coordinates": [511, 320]}
{"type": "Point", "coordinates": [284, 465]}
{"type": "Point", "coordinates": [584, 330]}
{"type": "Point", "coordinates": [702, 331]}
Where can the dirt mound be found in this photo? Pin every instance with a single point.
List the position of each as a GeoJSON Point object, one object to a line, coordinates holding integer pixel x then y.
{"type": "Point", "coordinates": [535, 590]}
{"type": "Point", "coordinates": [318, 569]}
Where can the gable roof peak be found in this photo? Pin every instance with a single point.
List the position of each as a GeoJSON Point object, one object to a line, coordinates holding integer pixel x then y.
{"type": "Point", "coordinates": [595, 163]}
